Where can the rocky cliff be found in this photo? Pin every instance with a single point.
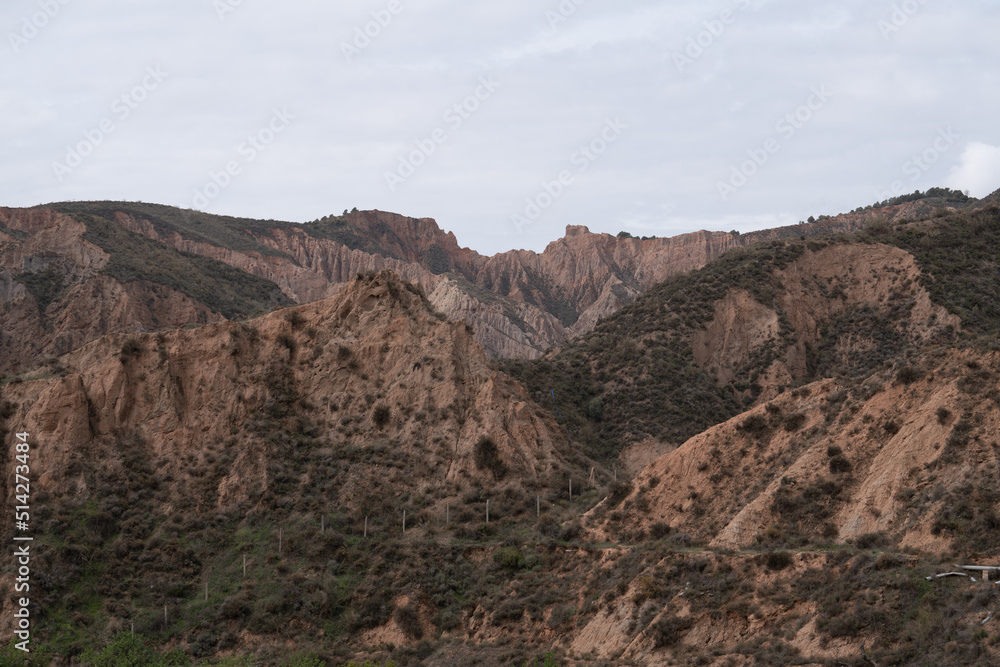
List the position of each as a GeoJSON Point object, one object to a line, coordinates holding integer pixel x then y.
{"type": "Point", "coordinates": [519, 303]}
{"type": "Point", "coordinates": [345, 360]}
{"type": "Point", "coordinates": [55, 298]}
{"type": "Point", "coordinates": [366, 408]}
{"type": "Point", "coordinates": [355, 476]}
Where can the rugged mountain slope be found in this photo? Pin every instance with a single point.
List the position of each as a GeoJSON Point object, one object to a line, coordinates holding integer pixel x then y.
{"type": "Point", "coordinates": [700, 348]}
{"type": "Point", "coordinates": [906, 454]}
{"type": "Point", "coordinates": [519, 303]}
{"type": "Point", "coordinates": [312, 261]}
{"type": "Point", "coordinates": [59, 290]}
{"type": "Point", "coordinates": [158, 458]}
{"type": "Point", "coordinates": [902, 465]}
{"type": "Point", "coordinates": [823, 406]}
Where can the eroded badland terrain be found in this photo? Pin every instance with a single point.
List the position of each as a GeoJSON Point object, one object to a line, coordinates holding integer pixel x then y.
{"type": "Point", "coordinates": [258, 442]}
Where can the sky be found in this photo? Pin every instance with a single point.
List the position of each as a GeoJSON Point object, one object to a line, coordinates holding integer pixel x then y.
{"type": "Point", "coordinates": [503, 120]}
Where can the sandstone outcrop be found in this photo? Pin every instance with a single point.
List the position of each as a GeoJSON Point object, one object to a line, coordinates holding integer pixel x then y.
{"type": "Point", "coordinates": [375, 347]}
{"type": "Point", "coordinates": [519, 303]}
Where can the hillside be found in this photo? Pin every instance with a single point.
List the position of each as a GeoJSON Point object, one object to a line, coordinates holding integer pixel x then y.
{"type": "Point", "coordinates": [161, 459]}
{"type": "Point", "coordinates": [64, 283]}
{"type": "Point", "coordinates": [702, 347]}
{"type": "Point", "coordinates": [206, 267]}
{"type": "Point", "coordinates": [762, 459]}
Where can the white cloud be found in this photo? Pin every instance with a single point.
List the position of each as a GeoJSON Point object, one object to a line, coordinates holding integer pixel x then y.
{"type": "Point", "coordinates": [979, 170]}
{"type": "Point", "coordinates": [607, 60]}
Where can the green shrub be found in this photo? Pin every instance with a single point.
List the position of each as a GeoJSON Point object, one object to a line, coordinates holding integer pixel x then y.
{"type": "Point", "coordinates": [509, 558]}
{"type": "Point", "coordinates": [659, 530]}
{"type": "Point", "coordinates": [436, 260]}
{"type": "Point", "coordinates": [125, 649]}
{"type": "Point", "coordinates": [839, 464]}
{"type": "Point", "coordinates": [755, 425]}
{"type": "Point", "coordinates": [132, 348]}
{"type": "Point", "coordinates": [908, 374]}
{"type": "Point", "coordinates": [408, 618]}
{"type": "Point", "coordinates": [381, 415]}
{"type": "Point", "coordinates": [619, 491]}
{"type": "Point", "coordinates": [38, 656]}
{"type": "Point", "coordinates": [373, 611]}
{"type": "Point", "coordinates": [777, 560]}
{"type": "Point", "coordinates": [794, 421]}
{"type": "Point", "coordinates": [871, 541]}
{"type": "Point", "coordinates": [487, 457]}
{"type": "Point", "coordinates": [668, 630]}
{"type": "Point", "coordinates": [570, 531]}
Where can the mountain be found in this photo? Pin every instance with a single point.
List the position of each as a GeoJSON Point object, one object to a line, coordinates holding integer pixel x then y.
{"type": "Point", "coordinates": [765, 458]}
{"type": "Point", "coordinates": [167, 267]}
{"type": "Point", "coordinates": [702, 347]}
{"type": "Point", "coordinates": [159, 460]}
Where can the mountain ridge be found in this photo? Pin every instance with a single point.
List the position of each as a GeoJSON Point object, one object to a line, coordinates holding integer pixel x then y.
{"type": "Point", "coordinates": [520, 303]}
{"type": "Point", "coordinates": [355, 477]}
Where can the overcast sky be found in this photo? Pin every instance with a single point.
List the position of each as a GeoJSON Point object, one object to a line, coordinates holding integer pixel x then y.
{"type": "Point", "coordinates": [507, 120]}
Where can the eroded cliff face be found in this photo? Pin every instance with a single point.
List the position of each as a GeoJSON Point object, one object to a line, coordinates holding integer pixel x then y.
{"type": "Point", "coordinates": [27, 220]}
{"type": "Point", "coordinates": [308, 268]}
{"type": "Point", "coordinates": [817, 290]}
{"type": "Point", "coordinates": [374, 355]}
{"type": "Point", "coordinates": [80, 304]}
{"type": "Point", "coordinates": [359, 407]}
{"type": "Point", "coordinates": [829, 462]}
{"type": "Point", "coordinates": [519, 303]}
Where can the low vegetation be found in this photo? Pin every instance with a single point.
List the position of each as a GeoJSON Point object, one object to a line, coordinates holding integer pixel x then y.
{"type": "Point", "coordinates": [639, 365]}
{"type": "Point", "coordinates": [46, 286]}
{"type": "Point", "coordinates": [960, 259]}
{"type": "Point", "coordinates": [225, 289]}
{"type": "Point", "coordinates": [340, 229]}
{"type": "Point", "coordinates": [218, 230]}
